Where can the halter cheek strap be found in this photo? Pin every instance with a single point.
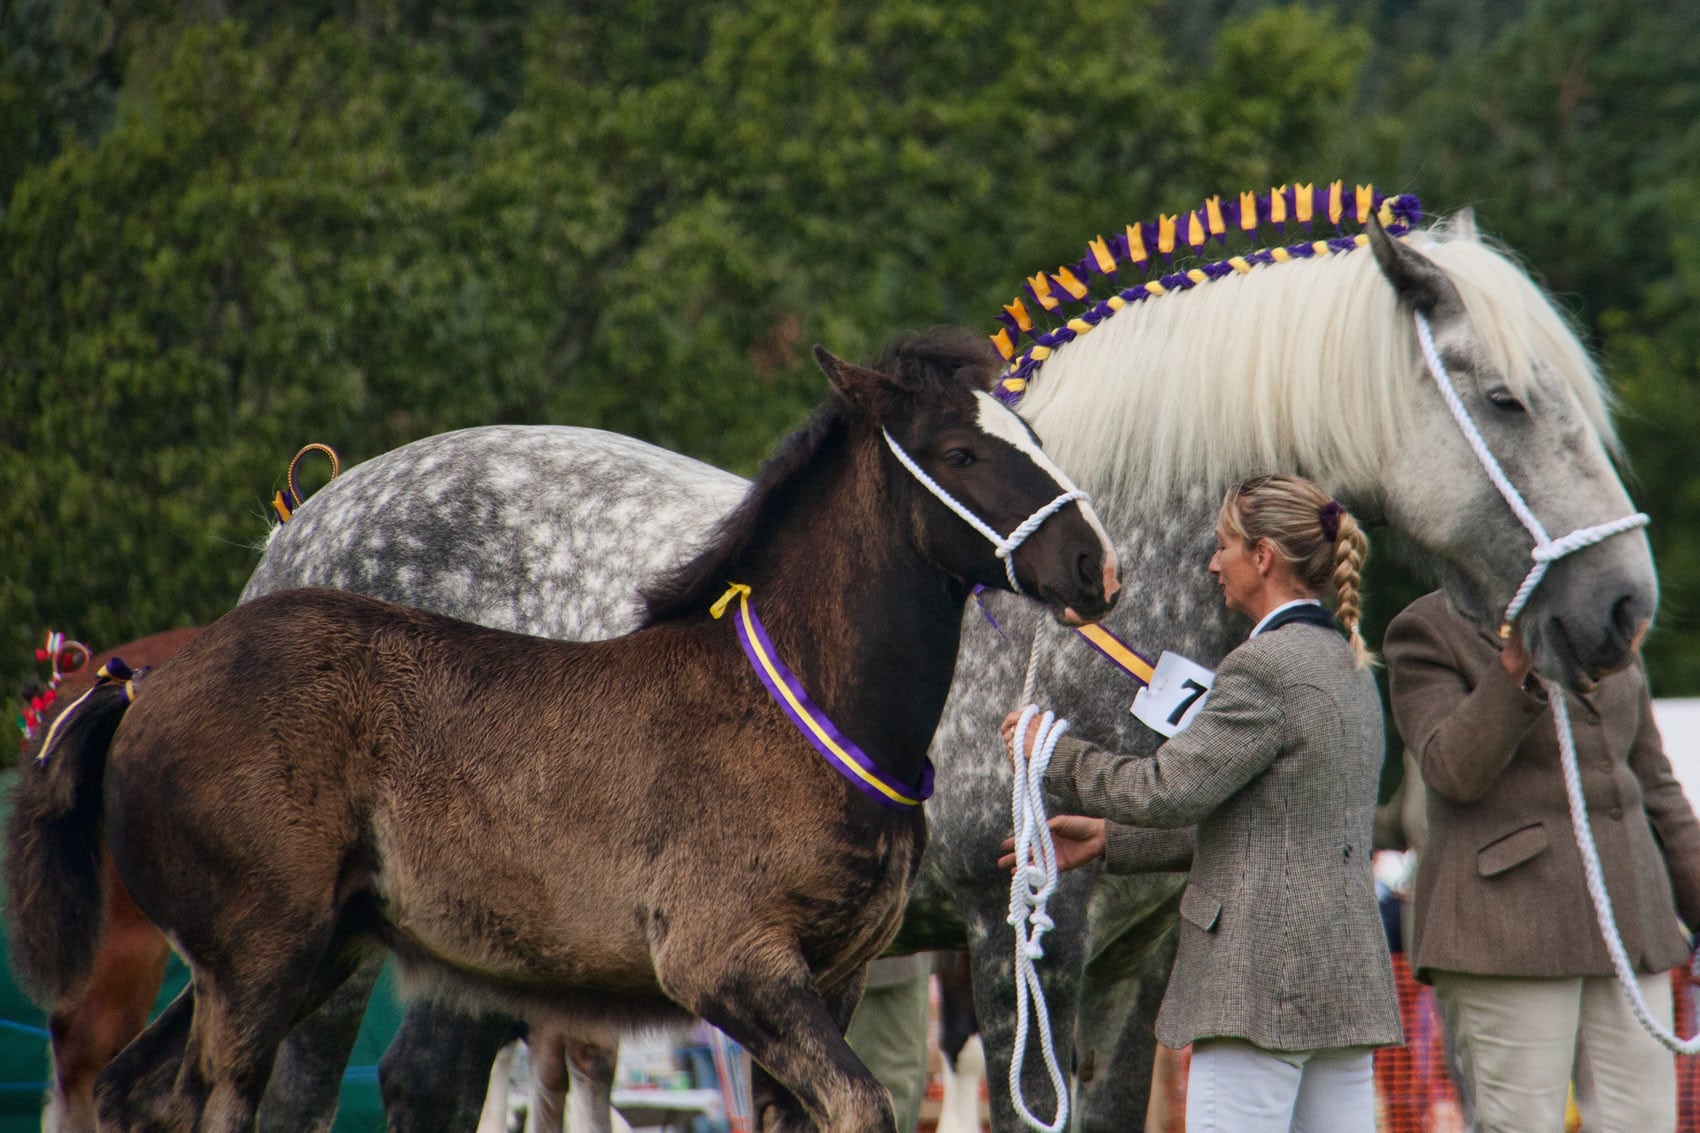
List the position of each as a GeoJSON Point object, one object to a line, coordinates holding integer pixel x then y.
{"type": "Point", "coordinates": [1002, 546]}
{"type": "Point", "coordinates": [1546, 550]}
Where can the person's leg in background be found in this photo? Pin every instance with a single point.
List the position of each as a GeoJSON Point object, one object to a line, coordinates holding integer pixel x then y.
{"type": "Point", "coordinates": [1625, 1078]}
{"type": "Point", "coordinates": [889, 1031]}
{"type": "Point", "coordinates": [1516, 1043]}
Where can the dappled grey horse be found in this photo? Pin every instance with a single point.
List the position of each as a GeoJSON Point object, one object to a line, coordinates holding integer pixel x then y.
{"type": "Point", "coordinates": [1305, 361]}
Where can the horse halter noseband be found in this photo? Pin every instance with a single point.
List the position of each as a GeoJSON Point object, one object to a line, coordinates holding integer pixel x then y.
{"type": "Point", "coordinates": [1002, 546]}
{"type": "Point", "coordinates": [1546, 550]}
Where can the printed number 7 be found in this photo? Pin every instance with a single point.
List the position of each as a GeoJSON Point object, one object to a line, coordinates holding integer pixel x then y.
{"type": "Point", "coordinates": [1188, 701]}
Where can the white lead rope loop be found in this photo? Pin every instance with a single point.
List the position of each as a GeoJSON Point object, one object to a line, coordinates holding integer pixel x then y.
{"type": "Point", "coordinates": [1030, 888]}
{"type": "Point", "coordinates": [1595, 878]}
{"type": "Point", "coordinates": [1546, 552]}
{"type": "Point", "coordinates": [1002, 546]}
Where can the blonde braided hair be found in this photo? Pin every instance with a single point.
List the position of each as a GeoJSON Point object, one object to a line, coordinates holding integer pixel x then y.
{"type": "Point", "coordinates": [1292, 514]}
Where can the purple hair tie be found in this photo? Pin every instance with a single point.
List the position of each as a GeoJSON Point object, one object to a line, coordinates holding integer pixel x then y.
{"type": "Point", "coordinates": [1330, 514]}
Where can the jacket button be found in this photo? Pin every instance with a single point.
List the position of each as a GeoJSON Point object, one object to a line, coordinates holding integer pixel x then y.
{"type": "Point", "coordinates": [1593, 717]}
{"type": "Point", "coordinates": [1615, 812]}
{"type": "Point", "coordinates": [1348, 854]}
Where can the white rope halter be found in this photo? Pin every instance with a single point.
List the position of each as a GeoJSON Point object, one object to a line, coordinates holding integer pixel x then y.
{"type": "Point", "coordinates": [1002, 546]}
{"type": "Point", "coordinates": [1545, 553]}
{"type": "Point", "coordinates": [1546, 550]}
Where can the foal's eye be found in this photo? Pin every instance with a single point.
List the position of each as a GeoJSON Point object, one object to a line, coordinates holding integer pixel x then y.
{"type": "Point", "coordinates": [959, 458]}
{"type": "Point", "coordinates": [1502, 398]}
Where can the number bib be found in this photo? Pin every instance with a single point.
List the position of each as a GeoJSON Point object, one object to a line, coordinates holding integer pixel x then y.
{"type": "Point", "coordinates": [1178, 689]}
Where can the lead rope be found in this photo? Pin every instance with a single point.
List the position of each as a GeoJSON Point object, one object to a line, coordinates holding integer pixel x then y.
{"type": "Point", "coordinates": [1030, 888]}
{"type": "Point", "coordinates": [1546, 552]}
{"type": "Point", "coordinates": [1032, 884]}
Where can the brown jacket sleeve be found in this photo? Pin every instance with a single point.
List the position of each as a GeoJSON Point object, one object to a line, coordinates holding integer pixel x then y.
{"type": "Point", "coordinates": [1671, 815]}
{"type": "Point", "coordinates": [1462, 718]}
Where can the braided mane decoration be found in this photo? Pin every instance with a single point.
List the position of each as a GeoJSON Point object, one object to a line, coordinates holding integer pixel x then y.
{"type": "Point", "coordinates": [1304, 205]}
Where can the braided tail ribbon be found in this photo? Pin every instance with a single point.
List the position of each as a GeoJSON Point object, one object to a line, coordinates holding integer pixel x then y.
{"type": "Point", "coordinates": [114, 672]}
{"type": "Point", "coordinates": [1030, 889]}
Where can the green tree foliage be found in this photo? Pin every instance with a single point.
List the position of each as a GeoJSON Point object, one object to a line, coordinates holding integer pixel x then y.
{"type": "Point", "coordinates": [363, 225]}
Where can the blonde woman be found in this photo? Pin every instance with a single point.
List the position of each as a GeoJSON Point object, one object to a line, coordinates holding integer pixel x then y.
{"type": "Point", "coordinates": [1282, 984]}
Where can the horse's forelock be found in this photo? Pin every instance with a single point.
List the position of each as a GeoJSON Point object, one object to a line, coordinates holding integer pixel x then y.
{"type": "Point", "coordinates": [1282, 367]}
{"type": "Point", "coordinates": [939, 362]}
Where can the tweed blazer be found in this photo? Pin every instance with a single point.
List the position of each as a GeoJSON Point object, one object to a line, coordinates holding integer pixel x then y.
{"type": "Point", "coordinates": [1500, 889]}
{"type": "Point", "coordinates": [1281, 943]}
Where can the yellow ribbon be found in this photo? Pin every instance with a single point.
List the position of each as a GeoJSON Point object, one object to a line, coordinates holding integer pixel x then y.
{"type": "Point", "coordinates": [734, 590]}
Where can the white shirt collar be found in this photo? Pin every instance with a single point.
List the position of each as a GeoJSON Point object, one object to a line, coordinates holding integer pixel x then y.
{"type": "Point", "coordinates": [1267, 618]}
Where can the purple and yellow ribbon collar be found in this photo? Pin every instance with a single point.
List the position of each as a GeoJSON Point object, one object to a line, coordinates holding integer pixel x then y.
{"type": "Point", "coordinates": [840, 752]}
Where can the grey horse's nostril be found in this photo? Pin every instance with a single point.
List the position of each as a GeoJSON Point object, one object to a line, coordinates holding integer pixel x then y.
{"type": "Point", "coordinates": [1626, 618]}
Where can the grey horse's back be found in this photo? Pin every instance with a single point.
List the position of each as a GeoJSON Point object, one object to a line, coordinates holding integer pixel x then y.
{"type": "Point", "coordinates": [535, 528]}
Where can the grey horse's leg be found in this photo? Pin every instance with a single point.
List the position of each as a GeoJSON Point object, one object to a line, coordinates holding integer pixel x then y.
{"type": "Point", "coordinates": [437, 1069]}
{"type": "Point", "coordinates": [1121, 990]}
{"type": "Point", "coordinates": [302, 1095]}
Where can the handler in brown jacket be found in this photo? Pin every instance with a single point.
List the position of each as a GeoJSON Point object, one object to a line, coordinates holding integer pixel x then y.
{"type": "Point", "coordinates": [1282, 982]}
{"type": "Point", "coordinates": [1501, 922]}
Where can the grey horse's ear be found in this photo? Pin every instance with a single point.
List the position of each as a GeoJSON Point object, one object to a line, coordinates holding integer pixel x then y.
{"type": "Point", "coordinates": [1421, 285]}
{"type": "Point", "coordinates": [1461, 225]}
{"type": "Point", "coordinates": [860, 386]}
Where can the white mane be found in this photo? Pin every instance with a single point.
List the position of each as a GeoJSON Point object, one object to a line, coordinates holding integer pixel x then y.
{"type": "Point", "coordinates": [1302, 366]}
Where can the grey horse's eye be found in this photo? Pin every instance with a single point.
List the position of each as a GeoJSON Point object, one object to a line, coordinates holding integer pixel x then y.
{"type": "Point", "coordinates": [1503, 398]}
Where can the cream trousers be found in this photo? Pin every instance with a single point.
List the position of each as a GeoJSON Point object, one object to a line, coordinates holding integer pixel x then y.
{"type": "Point", "coordinates": [1519, 1041]}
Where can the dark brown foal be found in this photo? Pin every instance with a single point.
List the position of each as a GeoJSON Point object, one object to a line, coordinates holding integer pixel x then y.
{"type": "Point", "coordinates": [588, 835]}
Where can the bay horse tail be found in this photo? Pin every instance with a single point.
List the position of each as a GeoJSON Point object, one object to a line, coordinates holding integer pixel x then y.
{"type": "Point", "coordinates": [54, 869]}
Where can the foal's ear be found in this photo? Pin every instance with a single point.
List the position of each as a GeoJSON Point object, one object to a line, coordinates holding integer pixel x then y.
{"type": "Point", "coordinates": [864, 388]}
{"type": "Point", "coordinates": [1421, 285]}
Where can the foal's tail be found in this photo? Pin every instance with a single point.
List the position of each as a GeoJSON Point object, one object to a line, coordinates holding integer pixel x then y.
{"type": "Point", "coordinates": [53, 867]}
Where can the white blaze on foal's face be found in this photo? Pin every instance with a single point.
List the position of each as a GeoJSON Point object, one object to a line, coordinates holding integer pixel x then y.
{"type": "Point", "coordinates": [998, 420]}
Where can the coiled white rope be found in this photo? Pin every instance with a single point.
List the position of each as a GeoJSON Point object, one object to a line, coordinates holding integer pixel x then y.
{"type": "Point", "coordinates": [1546, 552]}
{"type": "Point", "coordinates": [1002, 546]}
{"type": "Point", "coordinates": [1030, 888]}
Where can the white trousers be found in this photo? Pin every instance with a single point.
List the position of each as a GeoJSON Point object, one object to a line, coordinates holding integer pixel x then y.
{"type": "Point", "coordinates": [1235, 1087]}
{"type": "Point", "coordinates": [1519, 1040]}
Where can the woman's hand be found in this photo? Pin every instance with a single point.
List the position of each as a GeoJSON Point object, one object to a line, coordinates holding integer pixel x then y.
{"type": "Point", "coordinates": [1008, 730]}
{"type": "Point", "coordinates": [1515, 658]}
{"type": "Point", "coordinates": [1078, 840]}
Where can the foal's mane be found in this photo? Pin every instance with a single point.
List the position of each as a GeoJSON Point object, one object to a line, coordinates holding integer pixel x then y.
{"type": "Point", "coordinates": [1296, 364]}
{"type": "Point", "coordinates": [925, 369]}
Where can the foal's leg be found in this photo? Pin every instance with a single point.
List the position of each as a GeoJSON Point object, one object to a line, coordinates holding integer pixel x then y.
{"type": "Point", "coordinates": [306, 1081]}
{"type": "Point", "coordinates": [208, 1066]}
{"type": "Point", "coordinates": [807, 1075]}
